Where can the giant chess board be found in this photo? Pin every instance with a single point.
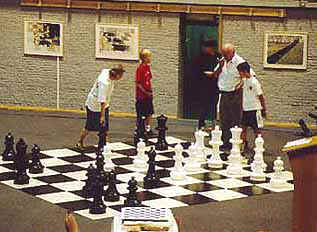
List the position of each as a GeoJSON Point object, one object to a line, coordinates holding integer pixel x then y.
{"type": "Point", "coordinates": [65, 171]}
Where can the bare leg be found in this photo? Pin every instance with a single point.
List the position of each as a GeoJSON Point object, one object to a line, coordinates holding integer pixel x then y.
{"type": "Point", "coordinates": [83, 134]}
{"type": "Point", "coordinates": [148, 121]}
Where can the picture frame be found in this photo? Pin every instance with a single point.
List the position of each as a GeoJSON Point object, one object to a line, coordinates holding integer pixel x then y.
{"type": "Point", "coordinates": [43, 38]}
{"type": "Point", "coordinates": [117, 41]}
{"type": "Point", "coordinates": [285, 50]}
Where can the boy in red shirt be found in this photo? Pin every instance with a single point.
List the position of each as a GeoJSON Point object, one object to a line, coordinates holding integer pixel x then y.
{"type": "Point", "coordinates": [144, 94]}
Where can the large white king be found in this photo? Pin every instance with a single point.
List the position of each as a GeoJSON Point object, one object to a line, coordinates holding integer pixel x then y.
{"type": "Point", "coordinates": [215, 160]}
{"type": "Point", "coordinates": [200, 145]}
{"type": "Point", "coordinates": [141, 158]}
{"type": "Point", "coordinates": [235, 158]}
{"type": "Point", "coordinates": [178, 173]}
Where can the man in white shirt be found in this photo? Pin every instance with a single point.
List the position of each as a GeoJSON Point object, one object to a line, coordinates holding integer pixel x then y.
{"type": "Point", "coordinates": [253, 103]}
{"type": "Point", "coordinates": [230, 88]}
{"type": "Point", "coordinates": [98, 101]}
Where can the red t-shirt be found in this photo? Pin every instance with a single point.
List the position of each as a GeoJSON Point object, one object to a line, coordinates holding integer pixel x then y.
{"type": "Point", "coordinates": [143, 77]}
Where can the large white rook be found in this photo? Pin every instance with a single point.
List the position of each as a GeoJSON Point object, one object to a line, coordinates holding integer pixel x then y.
{"type": "Point", "coordinates": [178, 173]}
{"type": "Point", "coordinates": [215, 160]}
{"type": "Point", "coordinates": [235, 158]}
{"type": "Point", "coordinates": [141, 158]}
{"type": "Point", "coordinates": [200, 145]}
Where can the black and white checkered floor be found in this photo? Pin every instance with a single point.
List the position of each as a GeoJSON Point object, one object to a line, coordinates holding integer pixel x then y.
{"type": "Point", "coordinates": [65, 172]}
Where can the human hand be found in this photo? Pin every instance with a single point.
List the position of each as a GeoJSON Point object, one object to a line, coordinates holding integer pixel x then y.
{"type": "Point", "coordinates": [102, 120]}
{"type": "Point", "coordinates": [71, 223]}
{"type": "Point", "coordinates": [263, 113]}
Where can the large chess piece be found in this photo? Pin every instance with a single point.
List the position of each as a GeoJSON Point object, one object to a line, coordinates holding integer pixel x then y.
{"type": "Point", "coordinates": [100, 162]}
{"type": "Point", "coordinates": [141, 159]}
{"type": "Point", "coordinates": [109, 165]}
{"type": "Point", "coordinates": [191, 163]}
{"type": "Point", "coordinates": [235, 158]}
{"type": "Point", "coordinates": [97, 206]}
{"type": "Point", "coordinates": [139, 132]}
{"type": "Point", "coordinates": [112, 194]}
{"type": "Point", "coordinates": [9, 153]}
{"type": "Point", "coordinates": [178, 173]}
{"type": "Point", "coordinates": [21, 163]}
{"type": "Point", "coordinates": [132, 200]}
{"type": "Point", "coordinates": [36, 166]}
{"type": "Point", "coordinates": [88, 188]}
{"type": "Point", "coordinates": [277, 180]}
{"type": "Point", "coordinates": [161, 143]}
{"type": "Point", "coordinates": [258, 166]}
{"type": "Point", "coordinates": [200, 145]}
{"type": "Point", "coordinates": [102, 138]}
{"type": "Point", "coordinates": [151, 179]}
{"type": "Point", "coordinates": [215, 160]}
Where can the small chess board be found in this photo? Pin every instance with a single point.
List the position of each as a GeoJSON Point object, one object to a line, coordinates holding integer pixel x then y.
{"type": "Point", "coordinates": [65, 172]}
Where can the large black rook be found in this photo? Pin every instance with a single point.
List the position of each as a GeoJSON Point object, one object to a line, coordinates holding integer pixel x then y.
{"type": "Point", "coordinates": [21, 163]}
{"type": "Point", "coordinates": [36, 166]}
{"type": "Point", "coordinates": [161, 127]}
{"type": "Point", "coordinates": [9, 153]}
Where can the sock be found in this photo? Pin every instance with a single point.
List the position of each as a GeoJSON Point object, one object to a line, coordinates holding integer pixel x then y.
{"type": "Point", "coordinates": [148, 128]}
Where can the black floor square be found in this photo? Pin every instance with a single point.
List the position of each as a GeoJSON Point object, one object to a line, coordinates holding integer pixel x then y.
{"type": "Point", "coordinates": [169, 154]}
{"type": "Point", "coordinates": [42, 156]}
{"type": "Point", "coordinates": [119, 207]}
{"type": "Point", "coordinates": [7, 176]}
{"type": "Point", "coordinates": [66, 168]}
{"type": "Point", "coordinates": [122, 161]}
{"type": "Point", "coordinates": [75, 205]}
{"type": "Point", "coordinates": [162, 173]}
{"type": "Point", "coordinates": [54, 179]}
{"type": "Point", "coordinates": [251, 190]}
{"type": "Point", "coordinates": [201, 187]}
{"type": "Point", "coordinates": [145, 196]}
{"type": "Point", "coordinates": [248, 179]}
{"type": "Point", "coordinates": [207, 176]}
{"type": "Point", "coordinates": [43, 189]}
{"type": "Point", "coordinates": [165, 163]}
{"type": "Point", "coordinates": [205, 166]}
{"type": "Point", "coordinates": [128, 152]}
{"type": "Point", "coordinates": [120, 170]}
{"type": "Point", "coordinates": [77, 158]}
{"type": "Point", "coordinates": [10, 166]}
{"type": "Point", "coordinates": [193, 199]}
{"type": "Point", "coordinates": [159, 184]}
{"type": "Point", "coordinates": [78, 193]}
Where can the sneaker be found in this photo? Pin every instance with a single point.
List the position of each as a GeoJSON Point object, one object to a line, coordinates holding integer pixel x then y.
{"type": "Point", "coordinates": [79, 146]}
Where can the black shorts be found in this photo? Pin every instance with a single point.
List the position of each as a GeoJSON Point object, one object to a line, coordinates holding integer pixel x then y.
{"type": "Point", "coordinates": [144, 107]}
{"type": "Point", "coordinates": [249, 119]}
{"type": "Point", "coordinates": [93, 120]}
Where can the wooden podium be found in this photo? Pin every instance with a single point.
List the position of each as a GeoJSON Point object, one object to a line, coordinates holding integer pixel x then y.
{"type": "Point", "coordinates": [303, 159]}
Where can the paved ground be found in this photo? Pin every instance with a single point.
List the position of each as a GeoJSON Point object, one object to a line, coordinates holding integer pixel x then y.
{"type": "Point", "coordinates": [22, 212]}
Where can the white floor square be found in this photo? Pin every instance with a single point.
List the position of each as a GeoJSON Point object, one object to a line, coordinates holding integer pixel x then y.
{"type": "Point", "coordinates": [188, 180]}
{"type": "Point", "coordinates": [287, 187]}
{"type": "Point", "coordinates": [171, 191]}
{"type": "Point", "coordinates": [229, 183]}
{"type": "Point", "coordinates": [109, 213]}
{"type": "Point", "coordinates": [60, 152]}
{"type": "Point", "coordinates": [116, 146]}
{"type": "Point", "coordinates": [169, 140]}
{"type": "Point", "coordinates": [3, 169]}
{"type": "Point", "coordinates": [224, 172]}
{"type": "Point", "coordinates": [5, 162]}
{"type": "Point", "coordinates": [123, 188]}
{"type": "Point", "coordinates": [85, 164]}
{"type": "Point", "coordinates": [120, 202]}
{"type": "Point", "coordinates": [46, 172]}
{"type": "Point", "coordinates": [79, 175]}
{"type": "Point", "coordinates": [166, 202]}
{"type": "Point", "coordinates": [200, 170]}
{"type": "Point", "coordinates": [70, 186]}
{"type": "Point", "coordinates": [60, 197]}
{"type": "Point", "coordinates": [53, 162]}
{"type": "Point", "coordinates": [223, 195]}
{"type": "Point", "coordinates": [127, 176]}
{"type": "Point", "coordinates": [286, 174]}
{"type": "Point", "coordinates": [32, 183]}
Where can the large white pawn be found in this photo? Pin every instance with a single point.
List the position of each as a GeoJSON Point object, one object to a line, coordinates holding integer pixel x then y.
{"type": "Point", "coordinates": [259, 149]}
{"type": "Point", "coordinates": [141, 159]}
{"type": "Point", "coordinates": [109, 165]}
{"type": "Point", "coordinates": [277, 180]}
{"type": "Point", "coordinates": [192, 164]}
{"type": "Point", "coordinates": [215, 160]}
{"type": "Point", "coordinates": [257, 168]}
{"type": "Point", "coordinates": [178, 173]}
{"type": "Point", "coordinates": [200, 145]}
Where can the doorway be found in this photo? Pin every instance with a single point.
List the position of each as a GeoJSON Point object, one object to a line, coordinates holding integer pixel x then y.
{"type": "Point", "coordinates": [196, 29]}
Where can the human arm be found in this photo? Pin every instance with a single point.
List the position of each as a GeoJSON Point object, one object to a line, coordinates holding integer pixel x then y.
{"type": "Point", "coordinates": [71, 223]}
{"type": "Point", "coordinates": [147, 92]}
{"type": "Point", "coordinates": [218, 69]}
{"type": "Point", "coordinates": [262, 101]}
{"type": "Point", "coordinates": [103, 90]}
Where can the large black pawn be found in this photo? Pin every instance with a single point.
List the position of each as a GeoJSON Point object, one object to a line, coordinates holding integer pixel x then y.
{"type": "Point", "coordinates": [132, 200]}
{"type": "Point", "coordinates": [9, 153]}
{"type": "Point", "coordinates": [36, 165]}
{"type": "Point", "coordinates": [161, 144]}
{"type": "Point", "coordinates": [89, 182]}
{"type": "Point", "coordinates": [21, 163]}
{"type": "Point", "coordinates": [112, 194]}
{"type": "Point", "coordinates": [97, 206]}
{"type": "Point", "coordinates": [151, 179]}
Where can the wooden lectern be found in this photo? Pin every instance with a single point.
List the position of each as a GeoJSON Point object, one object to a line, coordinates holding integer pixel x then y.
{"type": "Point", "coordinates": [303, 159]}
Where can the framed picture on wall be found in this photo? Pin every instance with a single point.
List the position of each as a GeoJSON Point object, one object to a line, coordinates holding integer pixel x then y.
{"type": "Point", "coordinates": [43, 38]}
{"type": "Point", "coordinates": [285, 50]}
{"type": "Point", "coordinates": [117, 42]}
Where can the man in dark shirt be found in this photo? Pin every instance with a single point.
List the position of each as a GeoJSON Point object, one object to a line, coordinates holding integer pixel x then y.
{"type": "Point", "coordinates": [203, 69]}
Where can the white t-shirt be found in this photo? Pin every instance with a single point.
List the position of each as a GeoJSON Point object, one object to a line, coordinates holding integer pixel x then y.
{"type": "Point", "coordinates": [251, 91]}
{"type": "Point", "coordinates": [100, 92]}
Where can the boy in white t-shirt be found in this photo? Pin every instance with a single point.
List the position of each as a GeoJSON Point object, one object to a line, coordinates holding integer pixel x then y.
{"type": "Point", "coordinates": [253, 104]}
{"type": "Point", "coordinates": [98, 101]}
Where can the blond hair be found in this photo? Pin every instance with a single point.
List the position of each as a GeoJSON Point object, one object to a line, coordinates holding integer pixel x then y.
{"type": "Point", "coordinates": [144, 53]}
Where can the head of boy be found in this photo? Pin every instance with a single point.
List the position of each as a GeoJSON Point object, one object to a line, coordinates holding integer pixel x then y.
{"type": "Point", "coordinates": [244, 70]}
{"type": "Point", "coordinates": [116, 72]}
{"type": "Point", "coordinates": [145, 56]}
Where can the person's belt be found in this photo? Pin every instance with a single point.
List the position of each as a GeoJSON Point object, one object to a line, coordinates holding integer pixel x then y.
{"type": "Point", "coordinates": [229, 92]}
